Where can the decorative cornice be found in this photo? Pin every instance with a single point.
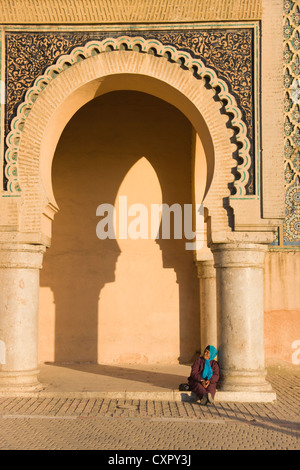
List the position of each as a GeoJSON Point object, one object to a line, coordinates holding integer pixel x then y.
{"type": "Point", "coordinates": [139, 44]}
{"type": "Point", "coordinates": [125, 11]}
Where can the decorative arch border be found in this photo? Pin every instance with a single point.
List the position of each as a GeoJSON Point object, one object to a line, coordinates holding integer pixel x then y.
{"type": "Point", "coordinates": [138, 44]}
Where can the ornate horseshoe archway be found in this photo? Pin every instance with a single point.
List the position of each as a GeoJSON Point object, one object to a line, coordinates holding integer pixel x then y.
{"type": "Point", "coordinates": [125, 63]}
{"type": "Point", "coordinates": [133, 63]}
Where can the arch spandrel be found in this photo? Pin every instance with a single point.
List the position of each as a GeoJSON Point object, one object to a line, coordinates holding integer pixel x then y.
{"type": "Point", "coordinates": [123, 63]}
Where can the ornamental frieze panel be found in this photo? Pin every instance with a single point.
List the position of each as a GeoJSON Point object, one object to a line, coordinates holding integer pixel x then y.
{"type": "Point", "coordinates": [228, 53]}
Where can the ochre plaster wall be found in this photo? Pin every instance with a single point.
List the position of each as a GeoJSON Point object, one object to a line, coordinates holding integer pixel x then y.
{"type": "Point", "coordinates": [282, 301]}
{"type": "Point", "coordinates": [119, 300]}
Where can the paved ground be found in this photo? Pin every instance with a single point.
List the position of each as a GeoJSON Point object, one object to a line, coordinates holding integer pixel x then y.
{"type": "Point", "coordinates": [59, 422]}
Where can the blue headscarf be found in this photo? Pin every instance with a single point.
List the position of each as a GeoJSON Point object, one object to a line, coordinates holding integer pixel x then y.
{"type": "Point", "coordinates": [207, 370]}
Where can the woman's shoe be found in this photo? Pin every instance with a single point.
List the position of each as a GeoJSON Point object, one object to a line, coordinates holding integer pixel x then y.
{"type": "Point", "coordinates": [210, 398]}
{"type": "Point", "coordinates": [204, 399]}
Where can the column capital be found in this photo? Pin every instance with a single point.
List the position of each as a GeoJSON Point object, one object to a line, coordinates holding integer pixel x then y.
{"type": "Point", "coordinates": [227, 237]}
{"type": "Point", "coordinates": [239, 255]}
{"type": "Point", "coordinates": [206, 269]}
{"type": "Point", "coordinates": [15, 255]}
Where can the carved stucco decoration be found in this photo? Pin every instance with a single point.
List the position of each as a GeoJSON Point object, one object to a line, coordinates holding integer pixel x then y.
{"type": "Point", "coordinates": [142, 45]}
{"type": "Point", "coordinates": [291, 71]}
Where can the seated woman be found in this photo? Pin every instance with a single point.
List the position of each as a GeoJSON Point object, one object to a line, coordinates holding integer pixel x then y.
{"type": "Point", "coordinates": [205, 375]}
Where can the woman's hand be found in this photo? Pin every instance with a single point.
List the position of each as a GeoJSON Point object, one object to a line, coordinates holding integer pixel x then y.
{"type": "Point", "coordinates": [205, 383]}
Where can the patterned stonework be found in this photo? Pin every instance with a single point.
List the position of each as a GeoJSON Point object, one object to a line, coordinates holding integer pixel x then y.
{"type": "Point", "coordinates": [291, 78]}
{"type": "Point", "coordinates": [227, 52]}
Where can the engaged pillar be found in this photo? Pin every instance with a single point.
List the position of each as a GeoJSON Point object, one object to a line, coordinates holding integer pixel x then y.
{"type": "Point", "coordinates": [240, 313]}
{"type": "Point", "coordinates": [208, 307]}
{"type": "Point", "coordinates": [19, 290]}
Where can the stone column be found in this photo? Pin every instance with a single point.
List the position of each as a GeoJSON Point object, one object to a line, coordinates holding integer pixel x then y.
{"type": "Point", "coordinates": [19, 290]}
{"type": "Point", "coordinates": [240, 314]}
{"type": "Point", "coordinates": [208, 308]}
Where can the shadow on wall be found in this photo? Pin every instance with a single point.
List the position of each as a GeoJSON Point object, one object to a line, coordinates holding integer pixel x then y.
{"type": "Point", "coordinates": [98, 147]}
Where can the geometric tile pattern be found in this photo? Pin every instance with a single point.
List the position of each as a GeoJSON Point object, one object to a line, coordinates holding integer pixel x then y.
{"type": "Point", "coordinates": [291, 81]}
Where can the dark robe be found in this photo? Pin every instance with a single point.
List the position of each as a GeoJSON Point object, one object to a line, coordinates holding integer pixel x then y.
{"type": "Point", "coordinates": [196, 376]}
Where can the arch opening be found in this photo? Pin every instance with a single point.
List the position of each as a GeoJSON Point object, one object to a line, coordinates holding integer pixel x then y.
{"type": "Point", "coordinates": [99, 74]}
{"type": "Point", "coordinates": [139, 83]}
{"type": "Point", "coordinates": [119, 301]}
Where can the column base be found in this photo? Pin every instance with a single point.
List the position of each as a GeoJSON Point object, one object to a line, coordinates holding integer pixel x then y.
{"type": "Point", "coordinates": [245, 386]}
{"type": "Point", "coordinates": [245, 397]}
{"type": "Point", "coordinates": [19, 382]}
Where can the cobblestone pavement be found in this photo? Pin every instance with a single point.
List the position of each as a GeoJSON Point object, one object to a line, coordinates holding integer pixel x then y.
{"type": "Point", "coordinates": [112, 424]}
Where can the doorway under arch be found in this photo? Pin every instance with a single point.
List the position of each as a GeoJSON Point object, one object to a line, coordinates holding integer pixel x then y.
{"type": "Point", "coordinates": [119, 301]}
